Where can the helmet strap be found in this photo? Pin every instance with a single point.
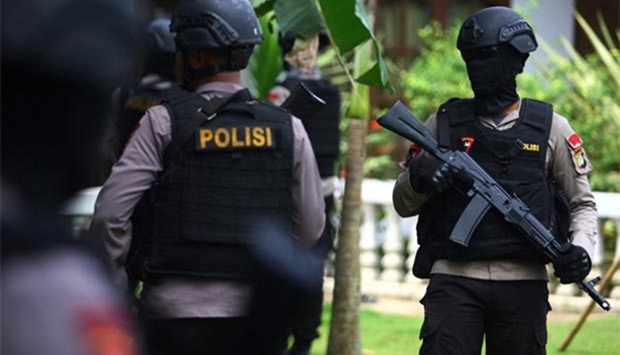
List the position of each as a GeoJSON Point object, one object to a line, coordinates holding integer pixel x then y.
{"type": "Point", "coordinates": [232, 59]}
{"type": "Point", "coordinates": [190, 74]}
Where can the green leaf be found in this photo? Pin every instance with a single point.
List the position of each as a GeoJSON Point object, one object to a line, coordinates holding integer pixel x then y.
{"type": "Point", "coordinates": [377, 74]}
{"type": "Point", "coordinates": [359, 103]}
{"type": "Point", "coordinates": [263, 8]}
{"type": "Point", "coordinates": [347, 23]}
{"type": "Point", "coordinates": [603, 52]}
{"type": "Point", "coordinates": [266, 62]}
{"type": "Point", "coordinates": [300, 16]}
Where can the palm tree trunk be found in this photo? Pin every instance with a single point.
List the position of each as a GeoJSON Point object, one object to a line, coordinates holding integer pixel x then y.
{"type": "Point", "coordinates": [344, 335]}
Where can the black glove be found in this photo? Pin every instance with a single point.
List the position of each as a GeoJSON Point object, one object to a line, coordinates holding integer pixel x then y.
{"type": "Point", "coordinates": [573, 264]}
{"type": "Point", "coordinates": [421, 171]}
{"type": "Point", "coordinates": [428, 174]}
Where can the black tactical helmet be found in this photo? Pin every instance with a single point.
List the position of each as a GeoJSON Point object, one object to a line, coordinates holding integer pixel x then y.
{"type": "Point", "coordinates": [202, 24]}
{"type": "Point", "coordinates": [159, 49]}
{"type": "Point", "coordinates": [228, 28]}
{"type": "Point", "coordinates": [494, 26]}
{"type": "Point", "coordinates": [159, 39]}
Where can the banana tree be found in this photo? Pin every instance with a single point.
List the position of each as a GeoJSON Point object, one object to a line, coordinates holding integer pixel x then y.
{"type": "Point", "coordinates": [350, 30]}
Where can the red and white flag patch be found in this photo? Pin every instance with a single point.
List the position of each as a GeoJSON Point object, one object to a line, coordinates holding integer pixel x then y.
{"type": "Point", "coordinates": [574, 141]}
{"type": "Point", "coordinates": [468, 143]}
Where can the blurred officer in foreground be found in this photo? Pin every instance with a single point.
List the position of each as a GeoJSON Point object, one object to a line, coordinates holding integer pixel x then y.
{"type": "Point", "coordinates": [215, 164]}
{"type": "Point", "coordinates": [496, 289]}
{"type": "Point", "coordinates": [60, 61]}
{"type": "Point", "coordinates": [299, 60]}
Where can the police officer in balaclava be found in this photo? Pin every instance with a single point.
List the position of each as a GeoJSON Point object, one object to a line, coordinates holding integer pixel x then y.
{"type": "Point", "coordinates": [495, 43]}
{"type": "Point", "coordinates": [533, 153]}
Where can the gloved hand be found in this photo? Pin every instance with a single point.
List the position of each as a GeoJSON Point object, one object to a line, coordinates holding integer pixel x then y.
{"type": "Point", "coordinates": [573, 264]}
{"type": "Point", "coordinates": [422, 168]}
{"type": "Point", "coordinates": [428, 174]}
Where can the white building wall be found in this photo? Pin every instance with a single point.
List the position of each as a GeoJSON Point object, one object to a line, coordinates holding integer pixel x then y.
{"type": "Point", "coordinates": [551, 20]}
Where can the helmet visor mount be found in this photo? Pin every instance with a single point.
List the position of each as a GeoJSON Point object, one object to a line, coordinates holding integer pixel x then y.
{"type": "Point", "coordinates": [518, 34]}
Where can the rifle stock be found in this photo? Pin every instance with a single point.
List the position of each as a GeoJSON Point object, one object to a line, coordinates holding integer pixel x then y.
{"type": "Point", "coordinates": [485, 192]}
{"type": "Point", "coordinates": [404, 123]}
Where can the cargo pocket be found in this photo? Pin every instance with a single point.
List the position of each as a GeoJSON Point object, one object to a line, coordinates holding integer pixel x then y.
{"type": "Point", "coordinates": [430, 329]}
{"type": "Point", "coordinates": [541, 339]}
{"type": "Point", "coordinates": [430, 335]}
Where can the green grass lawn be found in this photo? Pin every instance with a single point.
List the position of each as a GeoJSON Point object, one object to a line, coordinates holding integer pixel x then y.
{"type": "Point", "coordinates": [387, 334]}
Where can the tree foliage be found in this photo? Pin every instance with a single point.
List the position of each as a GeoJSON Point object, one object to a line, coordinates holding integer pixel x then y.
{"type": "Point", "coordinates": [586, 90]}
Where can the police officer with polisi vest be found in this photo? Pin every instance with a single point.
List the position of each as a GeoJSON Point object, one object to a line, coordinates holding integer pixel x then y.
{"type": "Point", "coordinates": [496, 288]}
{"type": "Point", "coordinates": [56, 295]}
{"type": "Point", "coordinates": [157, 82]}
{"type": "Point", "coordinates": [211, 163]}
{"type": "Point", "coordinates": [299, 62]}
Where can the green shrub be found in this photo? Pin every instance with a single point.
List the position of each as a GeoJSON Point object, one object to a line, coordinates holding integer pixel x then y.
{"type": "Point", "coordinates": [437, 74]}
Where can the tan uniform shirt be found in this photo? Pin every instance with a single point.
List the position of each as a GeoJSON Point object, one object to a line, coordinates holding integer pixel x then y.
{"type": "Point", "coordinates": [560, 165]}
{"type": "Point", "coordinates": [136, 171]}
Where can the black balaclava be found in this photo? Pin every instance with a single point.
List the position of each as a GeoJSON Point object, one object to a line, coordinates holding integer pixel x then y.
{"type": "Point", "coordinates": [492, 73]}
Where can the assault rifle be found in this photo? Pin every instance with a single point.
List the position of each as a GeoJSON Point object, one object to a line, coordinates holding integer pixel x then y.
{"type": "Point", "coordinates": [484, 192]}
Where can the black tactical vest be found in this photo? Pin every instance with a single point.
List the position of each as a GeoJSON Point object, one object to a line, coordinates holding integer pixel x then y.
{"type": "Point", "coordinates": [135, 98]}
{"type": "Point", "coordinates": [235, 169]}
{"type": "Point", "coordinates": [521, 172]}
{"type": "Point", "coordinates": [323, 126]}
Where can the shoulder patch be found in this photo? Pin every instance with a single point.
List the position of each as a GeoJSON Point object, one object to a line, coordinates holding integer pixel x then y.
{"type": "Point", "coordinates": [578, 155]}
{"type": "Point", "coordinates": [106, 329]}
{"type": "Point", "coordinates": [277, 95]}
{"type": "Point", "coordinates": [468, 143]}
{"type": "Point", "coordinates": [574, 141]}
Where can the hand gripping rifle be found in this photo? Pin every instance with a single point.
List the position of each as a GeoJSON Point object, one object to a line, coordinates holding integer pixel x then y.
{"type": "Point", "coordinates": [484, 192]}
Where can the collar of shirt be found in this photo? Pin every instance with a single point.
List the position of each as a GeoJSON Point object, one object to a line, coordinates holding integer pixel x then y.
{"type": "Point", "coordinates": [219, 86]}
{"type": "Point", "coordinates": [505, 123]}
